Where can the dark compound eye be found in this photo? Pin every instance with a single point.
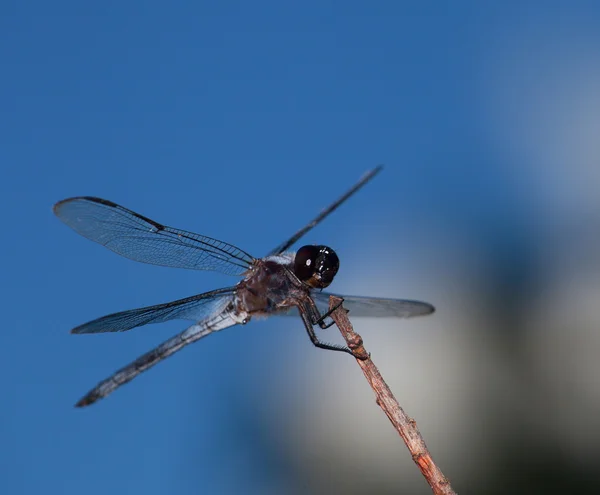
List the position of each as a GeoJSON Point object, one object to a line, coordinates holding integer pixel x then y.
{"type": "Point", "coordinates": [316, 265]}
{"type": "Point", "coordinates": [328, 264]}
{"type": "Point", "coordinates": [305, 262]}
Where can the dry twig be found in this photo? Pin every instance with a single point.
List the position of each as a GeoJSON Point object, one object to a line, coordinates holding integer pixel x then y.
{"type": "Point", "coordinates": [406, 427]}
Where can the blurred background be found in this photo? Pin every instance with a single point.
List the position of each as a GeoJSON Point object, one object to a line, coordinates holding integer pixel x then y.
{"type": "Point", "coordinates": [241, 121]}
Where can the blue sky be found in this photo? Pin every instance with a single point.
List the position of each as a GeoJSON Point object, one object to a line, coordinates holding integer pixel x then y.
{"type": "Point", "coordinates": [238, 120]}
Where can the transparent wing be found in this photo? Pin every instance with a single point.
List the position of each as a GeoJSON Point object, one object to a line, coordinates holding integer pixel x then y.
{"type": "Point", "coordinates": [373, 306]}
{"type": "Point", "coordinates": [195, 308]}
{"type": "Point", "coordinates": [215, 322]}
{"type": "Point", "coordinates": [136, 237]}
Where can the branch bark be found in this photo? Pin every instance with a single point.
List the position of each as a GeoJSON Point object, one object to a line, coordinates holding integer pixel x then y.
{"type": "Point", "coordinates": [405, 426]}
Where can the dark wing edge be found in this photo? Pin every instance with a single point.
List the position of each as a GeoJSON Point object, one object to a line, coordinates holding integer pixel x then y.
{"type": "Point", "coordinates": [326, 212]}
{"type": "Point", "coordinates": [376, 307]}
{"type": "Point", "coordinates": [194, 308]}
{"type": "Point", "coordinates": [214, 323]}
{"type": "Point", "coordinates": [139, 238]}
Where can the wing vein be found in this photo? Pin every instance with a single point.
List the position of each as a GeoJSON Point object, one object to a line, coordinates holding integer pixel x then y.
{"type": "Point", "coordinates": [137, 237]}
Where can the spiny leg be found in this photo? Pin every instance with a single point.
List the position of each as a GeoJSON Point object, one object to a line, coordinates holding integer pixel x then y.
{"type": "Point", "coordinates": [309, 319]}
{"type": "Point", "coordinates": [320, 319]}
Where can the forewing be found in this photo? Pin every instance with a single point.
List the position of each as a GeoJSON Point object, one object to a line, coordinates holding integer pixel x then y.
{"type": "Point", "coordinates": [196, 308]}
{"type": "Point", "coordinates": [375, 306]}
{"type": "Point", "coordinates": [326, 212]}
{"type": "Point", "coordinates": [137, 237]}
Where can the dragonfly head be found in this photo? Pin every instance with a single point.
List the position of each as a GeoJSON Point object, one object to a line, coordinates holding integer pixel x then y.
{"type": "Point", "coordinates": [316, 265]}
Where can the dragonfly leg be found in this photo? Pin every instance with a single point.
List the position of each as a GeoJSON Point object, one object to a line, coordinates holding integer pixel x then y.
{"type": "Point", "coordinates": [320, 319]}
{"type": "Point", "coordinates": [309, 319]}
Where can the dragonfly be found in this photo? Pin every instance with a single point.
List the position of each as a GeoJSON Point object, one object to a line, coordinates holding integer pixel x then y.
{"type": "Point", "coordinates": [282, 283]}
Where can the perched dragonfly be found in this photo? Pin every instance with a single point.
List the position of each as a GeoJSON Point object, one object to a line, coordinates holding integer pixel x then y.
{"type": "Point", "coordinates": [281, 283]}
